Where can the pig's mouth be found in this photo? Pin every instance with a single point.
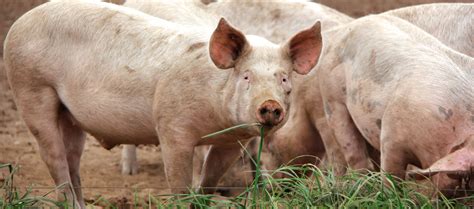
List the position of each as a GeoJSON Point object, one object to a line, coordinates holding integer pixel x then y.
{"type": "Point", "coordinates": [269, 127]}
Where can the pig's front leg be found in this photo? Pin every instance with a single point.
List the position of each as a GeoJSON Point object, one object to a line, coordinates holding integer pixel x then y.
{"type": "Point", "coordinates": [218, 160]}
{"type": "Point", "coordinates": [177, 151]}
{"type": "Point", "coordinates": [335, 157]}
{"type": "Point", "coordinates": [350, 141]}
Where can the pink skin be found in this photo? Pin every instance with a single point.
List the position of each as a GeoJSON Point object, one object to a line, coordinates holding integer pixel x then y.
{"type": "Point", "coordinates": [160, 88]}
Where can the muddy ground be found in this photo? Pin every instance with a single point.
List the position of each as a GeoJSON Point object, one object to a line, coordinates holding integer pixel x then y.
{"type": "Point", "coordinates": [100, 168]}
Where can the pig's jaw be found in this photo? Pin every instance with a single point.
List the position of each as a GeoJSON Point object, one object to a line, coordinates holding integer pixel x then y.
{"type": "Point", "coordinates": [233, 110]}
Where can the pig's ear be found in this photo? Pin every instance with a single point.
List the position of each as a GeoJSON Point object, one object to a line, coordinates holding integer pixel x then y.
{"type": "Point", "coordinates": [304, 48]}
{"type": "Point", "coordinates": [457, 165]}
{"type": "Point", "coordinates": [226, 45]}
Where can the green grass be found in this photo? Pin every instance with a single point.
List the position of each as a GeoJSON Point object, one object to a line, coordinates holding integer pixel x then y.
{"type": "Point", "coordinates": [11, 197]}
{"type": "Point", "coordinates": [316, 189]}
{"type": "Point", "coordinates": [304, 187]}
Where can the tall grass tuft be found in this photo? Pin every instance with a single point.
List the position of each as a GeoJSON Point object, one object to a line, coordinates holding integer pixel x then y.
{"type": "Point", "coordinates": [12, 197]}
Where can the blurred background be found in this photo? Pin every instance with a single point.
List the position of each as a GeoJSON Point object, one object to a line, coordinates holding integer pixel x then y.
{"type": "Point", "coordinates": [10, 10]}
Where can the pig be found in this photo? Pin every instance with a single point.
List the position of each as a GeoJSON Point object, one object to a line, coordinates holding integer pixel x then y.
{"type": "Point", "coordinates": [287, 144]}
{"type": "Point", "coordinates": [290, 141]}
{"type": "Point", "coordinates": [300, 141]}
{"type": "Point", "coordinates": [129, 78]}
{"type": "Point", "coordinates": [182, 12]}
{"type": "Point", "coordinates": [190, 13]}
{"type": "Point", "coordinates": [386, 82]}
{"type": "Point", "coordinates": [450, 23]}
{"type": "Point", "coordinates": [284, 150]}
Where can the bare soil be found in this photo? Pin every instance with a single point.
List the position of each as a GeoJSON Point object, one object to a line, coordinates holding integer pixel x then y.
{"type": "Point", "coordinates": [100, 168]}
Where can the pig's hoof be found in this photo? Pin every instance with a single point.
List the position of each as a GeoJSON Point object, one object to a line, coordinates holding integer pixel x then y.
{"type": "Point", "coordinates": [224, 192]}
{"type": "Point", "coordinates": [129, 168]}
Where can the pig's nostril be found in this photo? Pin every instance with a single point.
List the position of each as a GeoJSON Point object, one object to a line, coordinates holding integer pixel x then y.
{"type": "Point", "coordinates": [277, 112]}
{"type": "Point", "coordinates": [263, 111]}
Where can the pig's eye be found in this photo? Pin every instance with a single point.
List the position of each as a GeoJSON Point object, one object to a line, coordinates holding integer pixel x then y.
{"type": "Point", "coordinates": [286, 84]}
{"type": "Point", "coordinates": [246, 76]}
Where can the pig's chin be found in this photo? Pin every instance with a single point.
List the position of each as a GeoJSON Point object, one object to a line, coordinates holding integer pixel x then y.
{"type": "Point", "coordinates": [255, 130]}
{"type": "Point", "coordinates": [269, 129]}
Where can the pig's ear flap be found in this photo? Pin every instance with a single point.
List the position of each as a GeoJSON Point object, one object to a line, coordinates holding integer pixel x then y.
{"type": "Point", "coordinates": [226, 45]}
{"type": "Point", "coordinates": [456, 165]}
{"type": "Point", "coordinates": [305, 47]}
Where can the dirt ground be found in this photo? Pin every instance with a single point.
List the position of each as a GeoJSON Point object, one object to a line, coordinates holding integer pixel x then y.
{"type": "Point", "coordinates": [100, 169]}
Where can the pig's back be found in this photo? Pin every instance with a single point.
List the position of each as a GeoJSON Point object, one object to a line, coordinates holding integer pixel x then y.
{"type": "Point", "coordinates": [87, 36]}
{"type": "Point", "coordinates": [453, 27]}
{"type": "Point", "coordinates": [277, 21]}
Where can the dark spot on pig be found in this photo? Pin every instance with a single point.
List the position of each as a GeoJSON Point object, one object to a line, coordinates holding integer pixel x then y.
{"type": "Point", "coordinates": [472, 118]}
{"type": "Point", "coordinates": [373, 58]}
{"type": "Point", "coordinates": [379, 75]}
{"type": "Point", "coordinates": [366, 131]}
{"type": "Point", "coordinates": [276, 13]}
{"type": "Point", "coordinates": [35, 132]}
{"type": "Point", "coordinates": [196, 46]}
{"type": "Point", "coordinates": [371, 106]}
{"type": "Point", "coordinates": [347, 146]}
{"type": "Point", "coordinates": [442, 110]}
{"type": "Point", "coordinates": [117, 31]}
{"type": "Point", "coordinates": [129, 69]}
{"type": "Point", "coordinates": [470, 109]}
{"type": "Point", "coordinates": [447, 114]}
{"type": "Point", "coordinates": [199, 56]}
{"type": "Point", "coordinates": [454, 128]}
{"type": "Point", "coordinates": [327, 109]}
{"type": "Point", "coordinates": [344, 90]}
{"type": "Point", "coordinates": [353, 95]}
{"type": "Point", "coordinates": [379, 123]}
{"type": "Point", "coordinates": [108, 16]}
{"type": "Point", "coordinates": [457, 147]}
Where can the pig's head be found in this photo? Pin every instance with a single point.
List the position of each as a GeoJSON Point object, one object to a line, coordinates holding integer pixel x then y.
{"type": "Point", "coordinates": [455, 170]}
{"type": "Point", "coordinates": [259, 85]}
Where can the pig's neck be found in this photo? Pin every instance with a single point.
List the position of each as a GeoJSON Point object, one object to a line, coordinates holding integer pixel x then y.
{"type": "Point", "coordinates": [219, 92]}
{"type": "Point", "coordinates": [228, 101]}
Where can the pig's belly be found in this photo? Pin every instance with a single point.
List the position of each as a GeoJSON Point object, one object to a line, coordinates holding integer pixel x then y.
{"type": "Point", "coordinates": [113, 119]}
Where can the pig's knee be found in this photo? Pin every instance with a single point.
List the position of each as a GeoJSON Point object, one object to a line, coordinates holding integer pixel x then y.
{"type": "Point", "coordinates": [129, 160]}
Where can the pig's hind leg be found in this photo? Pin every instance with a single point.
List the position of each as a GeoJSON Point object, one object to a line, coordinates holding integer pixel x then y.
{"type": "Point", "coordinates": [129, 159]}
{"type": "Point", "coordinates": [351, 142]}
{"type": "Point", "coordinates": [74, 140]}
{"type": "Point", "coordinates": [60, 141]}
{"type": "Point", "coordinates": [395, 152]}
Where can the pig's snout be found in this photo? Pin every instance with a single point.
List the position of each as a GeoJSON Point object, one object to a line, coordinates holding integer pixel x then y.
{"type": "Point", "coordinates": [270, 113]}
